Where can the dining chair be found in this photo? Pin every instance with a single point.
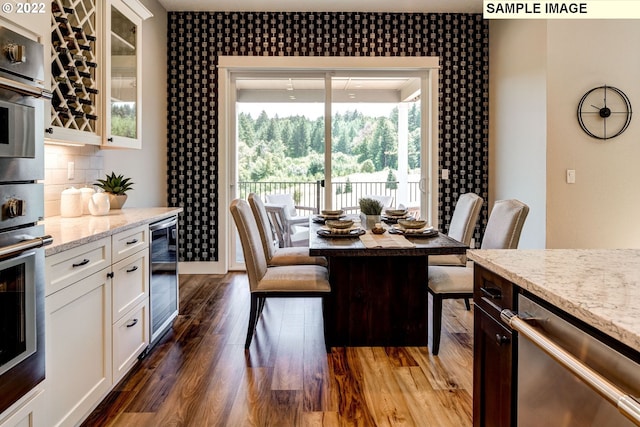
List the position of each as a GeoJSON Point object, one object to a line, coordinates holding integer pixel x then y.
{"type": "Point", "coordinates": [462, 226]}
{"type": "Point", "coordinates": [446, 282]}
{"type": "Point", "coordinates": [385, 201]}
{"type": "Point", "coordinates": [292, 222]}
{"type": "Point", "coordinates": [293, 281]}
{"type": "Point", "coordinates": [278, 256]}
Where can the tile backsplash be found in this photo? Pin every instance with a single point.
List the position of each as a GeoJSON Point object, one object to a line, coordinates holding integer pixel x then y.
{"type": "Point", "coordinates": [86, 164]}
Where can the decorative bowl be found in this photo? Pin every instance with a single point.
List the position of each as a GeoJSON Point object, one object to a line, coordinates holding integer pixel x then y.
{"type": "Point", "coordinates": [378, 230]}
{"type": "Point", "coordinates": [339, 224]}
{"type": "Point", "coordinates": [332, 213]}
{"type": "Point", "coordinates": [412, 223]}
{"type": "Point", "coordinates": [395, 212]}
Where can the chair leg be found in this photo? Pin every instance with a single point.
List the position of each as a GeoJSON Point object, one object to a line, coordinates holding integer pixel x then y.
{"type": "Point", "coordinates": [252, 321]}
{"type": "Point", "coordinates": [327, 345]}
{"type": "Point", "coordinates": [437, 323]}
{"type": "Point", "coordinates": [466, 304]}
{"type": "Point", "coordinates": [261, 302]}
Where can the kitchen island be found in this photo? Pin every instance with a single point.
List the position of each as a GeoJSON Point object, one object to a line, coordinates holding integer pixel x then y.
{"type": "Point", "coordinates": [537, 309]}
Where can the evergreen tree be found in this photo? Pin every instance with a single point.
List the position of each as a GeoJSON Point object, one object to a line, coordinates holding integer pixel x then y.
{"type": "Point", "coordinates": [299, 146]}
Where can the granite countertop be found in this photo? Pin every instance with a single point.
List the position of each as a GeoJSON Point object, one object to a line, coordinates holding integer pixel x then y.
{"type": "Point", "coordinates": [68, 233]}
{"type": "Point", "coordinates": [598, 286]}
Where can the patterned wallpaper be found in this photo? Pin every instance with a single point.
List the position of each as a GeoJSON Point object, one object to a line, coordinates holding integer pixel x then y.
{"type": "Point", "coordinates": [196, 39]}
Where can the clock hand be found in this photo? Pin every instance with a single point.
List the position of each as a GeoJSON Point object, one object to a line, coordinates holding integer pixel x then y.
{"type": "Point", "coordinates": [597, 108]}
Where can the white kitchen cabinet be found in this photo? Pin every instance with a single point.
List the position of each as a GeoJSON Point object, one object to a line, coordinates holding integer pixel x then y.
{"type": "Point", "coordinates": [123, 76]}
{"type": "Point", "coordinates": [70, 266]}
{"type": "Point", "coordinates": [130, 283]}
{"type": "Point", "coordinates": [129, 242]}
{"type": "Point", "coordinates": [27, 412]}
{"type": "Point", "coordinates": [130, 339]}
{"type": "Point", "coordinates": [130, 310]}
{"type": "Point", "coordinates": [78, 348]}
{"type": "Point", "coordinates": [96, 72]}
{"type": "Point", "coordinates": [97, 321]}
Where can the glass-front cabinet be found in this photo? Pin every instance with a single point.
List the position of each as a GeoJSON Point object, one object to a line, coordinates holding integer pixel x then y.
{"type": "Point", "coordinates": [123, 82]}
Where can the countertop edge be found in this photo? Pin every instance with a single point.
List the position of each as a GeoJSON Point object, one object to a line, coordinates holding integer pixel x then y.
{"type": "Point", "coordinates": [607, 325]}
{"type": "Point", "coordinates": [69, 233]}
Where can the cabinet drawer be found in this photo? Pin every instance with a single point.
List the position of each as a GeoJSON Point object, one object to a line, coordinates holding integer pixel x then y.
{"type": "Point", "coordinates": [130, 282]}
{"type": "Point", "coordinates": [65, 268]}
{"type": "Point", "coordinates": [130, 338]}
{"type": "Point", "coordinates": [492, 292]}
{"type": "Point", "coordinates": [129, 242]}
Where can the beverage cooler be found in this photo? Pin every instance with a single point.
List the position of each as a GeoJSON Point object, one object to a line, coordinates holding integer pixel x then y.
{"type": "Point", "coordinates": [163, 288]}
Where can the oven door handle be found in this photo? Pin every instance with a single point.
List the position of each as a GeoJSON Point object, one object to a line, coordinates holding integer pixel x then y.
{"type": "Point", "coordinates": [17, 248]}
{"type": "Point", "coordinates": [25, 89]}
{"type": "Point", "coordinates": [626, 404]}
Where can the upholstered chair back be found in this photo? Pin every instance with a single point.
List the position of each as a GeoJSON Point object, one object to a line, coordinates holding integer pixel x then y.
{"type": "Point", "coordinates": [283, 199]}
{"type": "Point", "coordinates": [264, 226]}
{"type": "Point", "coordinates": [465, 216]}
{"type": "Point", "coordinates": [505, 225]}
{"type": "Point", "coordinates": [254, 258]}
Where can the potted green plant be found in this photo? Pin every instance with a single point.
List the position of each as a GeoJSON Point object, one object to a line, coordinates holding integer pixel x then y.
{"type": "Point", "coordinates": [116, 186]}
{"type": "Point", "coordinates": [370, 210]}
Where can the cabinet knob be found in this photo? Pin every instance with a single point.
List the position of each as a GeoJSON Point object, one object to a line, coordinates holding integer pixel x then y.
{"type": "Point", "coordinates": [49, 130]}
{"type": "Point", "coordinates": [502, 339]}
{"type": "Point", "coordinates": [110, 275]}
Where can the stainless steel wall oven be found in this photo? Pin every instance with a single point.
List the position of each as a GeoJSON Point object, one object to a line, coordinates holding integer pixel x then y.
{"type": "Point", "coordinates": [22, 98]}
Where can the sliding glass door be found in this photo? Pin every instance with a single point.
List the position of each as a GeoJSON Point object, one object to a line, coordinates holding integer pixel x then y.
{"type": "Point", "coordinates": [328, 137]}
{"type": "Point", "coordinates": [376, 139]}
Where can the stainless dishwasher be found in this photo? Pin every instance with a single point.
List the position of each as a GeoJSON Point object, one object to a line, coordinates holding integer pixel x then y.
{"type": "Point", "coordinates": [567, 377]}
{"type": "Point", "coordinates": [163, 287]}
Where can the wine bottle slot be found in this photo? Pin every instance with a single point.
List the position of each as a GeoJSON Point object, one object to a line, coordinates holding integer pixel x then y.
{"type": "Point", "coordinates": [55, 8]}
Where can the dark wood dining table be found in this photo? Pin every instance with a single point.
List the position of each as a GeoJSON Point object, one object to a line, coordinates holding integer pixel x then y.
{"type": "Point", "coordinates": [378, 295]}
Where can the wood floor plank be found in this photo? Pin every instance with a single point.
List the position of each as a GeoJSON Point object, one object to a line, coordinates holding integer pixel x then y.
{"type": "Point", "coordinates": [200, 375]}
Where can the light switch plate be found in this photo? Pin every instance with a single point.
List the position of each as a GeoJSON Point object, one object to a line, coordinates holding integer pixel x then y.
{"type": "Point", "coordinates": [571, 176]}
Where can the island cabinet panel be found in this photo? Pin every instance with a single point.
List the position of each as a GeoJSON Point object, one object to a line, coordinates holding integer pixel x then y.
{"type": "Point", "coordinates": [493, 352]}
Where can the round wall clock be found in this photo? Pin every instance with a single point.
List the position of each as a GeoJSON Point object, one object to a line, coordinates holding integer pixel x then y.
{"type": "Point", "coordinates": [604, 112]}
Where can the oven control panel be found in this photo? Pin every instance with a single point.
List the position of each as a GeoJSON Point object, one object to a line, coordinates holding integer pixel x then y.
{"type": "Point", "coordinates": [20, 204]}
{"type": "Point", "coordinates": [15, 208]}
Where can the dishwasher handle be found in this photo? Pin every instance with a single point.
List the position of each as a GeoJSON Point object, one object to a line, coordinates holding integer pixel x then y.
{"type": "Point", "coordinates": [627, 405]}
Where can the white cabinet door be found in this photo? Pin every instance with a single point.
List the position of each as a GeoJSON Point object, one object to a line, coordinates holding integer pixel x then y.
{"type": "Point", "coordinates": [78, 342]}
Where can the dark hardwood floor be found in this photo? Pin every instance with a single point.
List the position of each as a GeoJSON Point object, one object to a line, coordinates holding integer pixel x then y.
{"type": "Point", "coordinates": [200, 375]}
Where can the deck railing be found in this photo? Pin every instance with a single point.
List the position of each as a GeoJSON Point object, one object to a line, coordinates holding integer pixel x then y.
{"type": "Point", "coordinates": [310, 194]}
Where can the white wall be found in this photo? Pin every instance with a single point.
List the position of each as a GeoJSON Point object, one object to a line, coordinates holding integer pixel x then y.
{"type": "Point", "coordinates": [517, 121]}
{"type": "Point", "coordinates": [600, 209]}
{"type": "Point", "coordinates": [148, 167]}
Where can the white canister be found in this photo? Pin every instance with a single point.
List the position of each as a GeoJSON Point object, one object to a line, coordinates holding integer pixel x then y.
{"type": "Point", "coordinates": [71, 203]}
{"type": "Point", "coordinates": [87, 192]}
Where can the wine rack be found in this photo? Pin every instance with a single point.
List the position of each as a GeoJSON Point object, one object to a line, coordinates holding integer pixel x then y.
{"type": "Point", "coordinates": [73, 65]}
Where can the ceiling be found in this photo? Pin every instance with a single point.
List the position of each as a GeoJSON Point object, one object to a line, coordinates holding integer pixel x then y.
{"type": "Point", "coordinates": [434, 6]}
{"type": "Point", "coordinates": [344, 89]}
